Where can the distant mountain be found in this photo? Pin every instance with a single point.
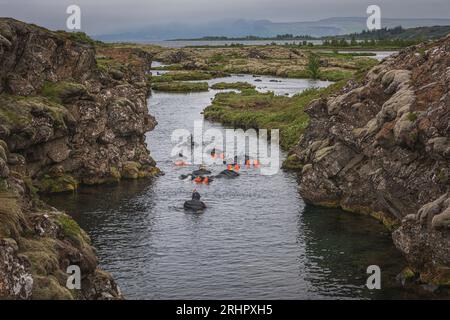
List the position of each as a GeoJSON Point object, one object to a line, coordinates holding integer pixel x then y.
{"type": "Point", "coordinates": [262, 28]}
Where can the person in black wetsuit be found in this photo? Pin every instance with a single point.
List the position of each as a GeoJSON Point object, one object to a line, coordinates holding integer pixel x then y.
{"type": "Point", "coordinates": [196, 195]}
{"type": "Point", "coordinates": [195, 204]}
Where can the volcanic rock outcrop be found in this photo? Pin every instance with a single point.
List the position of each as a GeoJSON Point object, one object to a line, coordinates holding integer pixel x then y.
{"type": "Point", "coordinates": [381, 146]}
{"type": "Point", "coordinates": [68, 119]}
{"type": "Point", "coordinates": [71, 112]}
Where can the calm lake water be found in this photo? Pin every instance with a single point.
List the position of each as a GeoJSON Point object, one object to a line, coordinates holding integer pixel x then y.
{"type": "Point", "coordinates": [256, 240]}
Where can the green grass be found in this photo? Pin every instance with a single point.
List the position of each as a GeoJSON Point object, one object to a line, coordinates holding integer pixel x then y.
{"type": "Point", "coordinates": [251, 109]}
{"type": "Point", "coordinates": [232, 85]}
{"type": "Point", "coordinates": [179, 86]}
{"type": "Point", "coordinates": [335, 75]}
{"type": "Point", "coordinates": [186, 76]}
{"type": "Point", "coordinates": [80, 37]}
{"type": "Point", "coordinates": [170, 67]}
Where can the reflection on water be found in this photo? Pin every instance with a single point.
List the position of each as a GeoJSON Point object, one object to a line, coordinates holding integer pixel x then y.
{"type": "Point", "coordinates": [256, 240]}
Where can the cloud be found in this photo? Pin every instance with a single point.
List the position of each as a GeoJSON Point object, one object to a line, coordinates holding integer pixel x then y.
{"type": "Point", "coordinates": [109, 16]}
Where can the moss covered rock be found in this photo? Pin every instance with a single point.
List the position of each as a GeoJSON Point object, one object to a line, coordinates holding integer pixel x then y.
{"type": "Point", "coordinates": [55, 184]}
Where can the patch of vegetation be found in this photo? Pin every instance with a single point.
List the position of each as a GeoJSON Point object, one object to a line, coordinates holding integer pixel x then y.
{"type": "Point", "coordinates": [335, 75]}
{"type": "Point", "coordinates": [80, 37]}
{"type": "Point", "coordinates": [232, 85]}
{"type": "Point", "coordinates": [291, 61]}
{"type": "Point", "coordinates": [292, 163]}
{"type": "Point", "coordinates": [11, 217]}
{"type": "Point", "coordinates": [187, 76]}
{"type": "Point", "coordinates": [313, 66]}
{"type": "Point", "coordinates": [217, 58]}
{"type": "Point", "coordinates": [252, 109]}
{"type": "Point", "coordinates": [17, 112]}
{"type": "Point", "coordinates": [60, 92]}
{"type": "Point", "coordinates": [169, 67]}
{"type": "Point", "coordinates": [63, 183]}
{"type": "Point", "coordinates": [41, 253]}
{"type": "Point", "coordinates": [180, 86]}
{"type": "Point", "coordinates": [48, 288]}
{"type": "Point", "coordinates": [70, 228]}
{"type": "Point", "coordinates": [412, 116]}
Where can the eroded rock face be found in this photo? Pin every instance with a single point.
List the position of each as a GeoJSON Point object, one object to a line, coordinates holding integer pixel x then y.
{"type": "Point", "coordinates": [59, 109]}
{"type": "Point", "coordinates": [382, 147]}
{"type": "Point", "coordinates": [38, 244]}
{"type": "Point", "coordinates": [64, 120]}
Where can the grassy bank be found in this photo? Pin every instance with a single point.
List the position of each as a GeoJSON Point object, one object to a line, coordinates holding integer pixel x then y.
{"type": "Point", "coordinates": [180, 86]}
{"type": "Point", "coordinates": [232, 85]}
{"type": "Point", "coordinates": [280, 61]}
{"type": "Point", "coordinates": [187, 76]}
{"type": "Point", "coordinates": [252, 109]}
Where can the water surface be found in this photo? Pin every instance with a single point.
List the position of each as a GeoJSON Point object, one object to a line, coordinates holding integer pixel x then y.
{"type": "Point", "coordinates": [256, 240]}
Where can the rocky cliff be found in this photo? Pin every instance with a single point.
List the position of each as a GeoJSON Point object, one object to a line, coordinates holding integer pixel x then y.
{"type": "Point", "coordinates": [71, 112]}
{"type": "Point", "coordinates": [67, 118]}
{"type": "Point", "coordinates": [381, 146]}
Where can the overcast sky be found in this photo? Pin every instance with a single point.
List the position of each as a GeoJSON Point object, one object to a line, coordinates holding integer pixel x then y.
{"type": "Point", "coordinates": [109, 16]}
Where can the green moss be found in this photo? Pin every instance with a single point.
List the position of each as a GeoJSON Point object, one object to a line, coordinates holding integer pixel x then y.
{"type": "Point", "coordinates": [292, 163]}
{"type": "Point", "coordinates": [61, 91]}
{"type": "Point", "coordinates": [49, 184]}
{"type": "Point", "coordinates": [41, 253]}
{"type": "Point", "coordinates": [389, 223]}
{"type": "Point", "coordinates": [11, 216]}
{"type": "Point", "coordinates": [71, 230]}
{"type": "Point", "coordinates": [48, 288]}
{"type": "Point", "coordinates": [412, 116]}
{"type": "Point", "coordinates": [443, 176]}
{"type": "Point", "coordinates": [115, 173]}
{"type": "Point", "coordinates": [408, 274]}
{"type": "Point", "coordinates": [16, 111]}
{"type": "Point", "coordinates": [179, 86]}
{"type": "Point", "coordinates": [80, 37]}
{"type": "Point", "coordinates": [3, 185]}
{"type": "Point", "coordinates": [232, 85]}
{"type": "Point", "coordinates": [130, 170]}
{"type": "Point", "coordinates": [438, 275]}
